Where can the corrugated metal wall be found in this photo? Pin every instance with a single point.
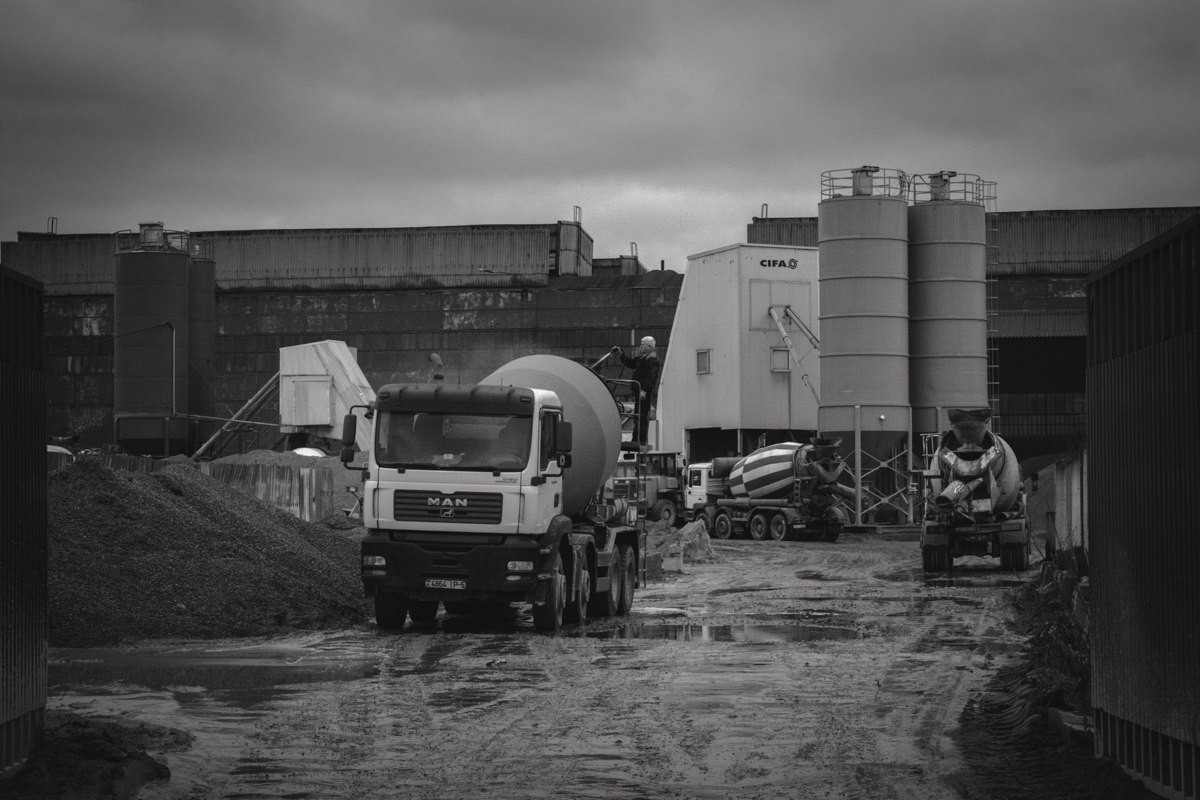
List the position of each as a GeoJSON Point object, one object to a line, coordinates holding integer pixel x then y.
{"type": "Point", "coordinates": [462, 255]}
{"type": "Point", "coordinates": [22, 520]}
{"type": "Point", "coordinates": [1143, 384]}
{"type": "Point", "coordinates": [1076, 242]}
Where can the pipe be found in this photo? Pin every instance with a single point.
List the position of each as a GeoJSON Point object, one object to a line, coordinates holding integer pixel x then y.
{"type": "Point", "coordinates": [250, 405]}
{"type": "Point", "coordinates": [787, 340]}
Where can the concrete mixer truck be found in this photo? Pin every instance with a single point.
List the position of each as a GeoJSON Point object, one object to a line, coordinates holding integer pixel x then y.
{"type": "Point", "coordinates": [482, 496]}
{"type": "Point", "coordinates": [974, 503]}
{"type": "Point", "coordinates": [782, 491]}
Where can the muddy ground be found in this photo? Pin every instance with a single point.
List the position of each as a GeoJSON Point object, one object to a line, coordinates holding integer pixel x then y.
{"type": "Point", "coordinates": [775, 669]}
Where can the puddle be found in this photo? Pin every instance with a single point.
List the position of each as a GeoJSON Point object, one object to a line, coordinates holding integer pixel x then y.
{"type": "Point", "coordinates": [690, 632]}
{"type": "Point", "coordinates": [190, 669]}
{"type": "Point", "coordinates": [977, 580]}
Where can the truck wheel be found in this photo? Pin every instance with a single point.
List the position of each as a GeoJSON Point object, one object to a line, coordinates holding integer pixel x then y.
{"type": "Point", "coordinates": [628, 579]}
{"type": "Point", "coordinates": [664, 511]}
{"type": "Point", "coordinates": [943, 560]}
{"type": "Point", "coordinates": [778, 527]}
{"type": "Point", "coordinates": [1020, 557]}
{"type": "Point", "coordinates": [423, 612]}
{"type": "Point", "coordinates": [723, 525]}
{"type": "Point", "coordinates": [758, 527]}
{"type": "Point", "coordinates": [606, 604]}
{"type": "Point", "coordinates": [549, 615]}
{"type": "Point", "coordinates": [577, 609]}
{"type": "Point", "coordinates": [390, 609]}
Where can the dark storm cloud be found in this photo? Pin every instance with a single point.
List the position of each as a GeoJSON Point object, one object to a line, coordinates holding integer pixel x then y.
{"type": "Point", "coordinates": [669, 122]}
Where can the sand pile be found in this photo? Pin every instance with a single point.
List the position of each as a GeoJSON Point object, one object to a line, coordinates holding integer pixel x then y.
{"type": "Point", "coordinates": [175, 554]}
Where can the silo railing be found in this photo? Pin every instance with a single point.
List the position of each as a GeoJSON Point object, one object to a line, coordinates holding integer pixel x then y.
{"type": "Point", "coordinates": [864, 181]}
{"type": "Point", "coordinates": [949, 185]}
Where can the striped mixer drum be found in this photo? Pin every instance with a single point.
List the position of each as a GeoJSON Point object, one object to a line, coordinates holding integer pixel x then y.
{"type": "Point", "coordinates": [767, 472]}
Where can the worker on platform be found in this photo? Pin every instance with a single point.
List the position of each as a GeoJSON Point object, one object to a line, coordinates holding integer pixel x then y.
{"type": "Point", "coordinates": [646, 368]}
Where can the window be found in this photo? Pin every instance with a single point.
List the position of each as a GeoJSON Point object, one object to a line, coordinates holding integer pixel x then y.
{"type": "Point", "coordinates": [703, 362]}
{"type": "Point", "coordinates": [549, 445]}
{"type": "Point", "coordinates": [780, 361]}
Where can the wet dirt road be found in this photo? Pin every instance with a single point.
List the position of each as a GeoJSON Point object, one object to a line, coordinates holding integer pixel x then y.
{"type": "Point", "coordinates": [783, 669]}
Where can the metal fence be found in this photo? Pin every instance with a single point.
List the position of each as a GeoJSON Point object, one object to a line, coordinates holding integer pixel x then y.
{"type": "Point", "coordinates": [1143, 429]}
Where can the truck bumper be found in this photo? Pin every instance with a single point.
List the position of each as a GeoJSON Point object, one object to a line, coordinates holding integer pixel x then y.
{"type": "Point", "coordinates": [976, 539]}
{"type": "Point", "coordinates": [447, 566]}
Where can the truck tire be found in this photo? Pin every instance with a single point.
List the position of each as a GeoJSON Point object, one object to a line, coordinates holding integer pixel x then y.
{"type": "Point", "coordinates": [723, 525]}
{"type": "Point", "coordinates": [628, 579]}
{"type": "Point", "coordinates": [423, 612]}
{"type": "Point", "coordinates": [778, 527]}
{"type": "Point", "coordinates": [606, 604]}
{"type": "Point", "coordinates": [664, 511]}
{"type": "Point", "coordinates": [758, 526]}
{"type": "Point", "coordinates": [936, 559]}
{"type": "Point", "coordinates": [390, 609]}
{"type": "Point", "coordinates": [577, 609]}
{"type": "Point", "coordinates": [943, 561]}
{"type": "Point", "coordinates": [548, 616]}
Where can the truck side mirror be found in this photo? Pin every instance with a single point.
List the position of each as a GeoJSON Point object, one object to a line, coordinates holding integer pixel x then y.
{"type": "Point", "coordinates": [349, 436]}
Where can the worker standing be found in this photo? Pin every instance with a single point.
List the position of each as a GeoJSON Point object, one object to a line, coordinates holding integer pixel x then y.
{"type": "Point", "coordinates": [646, 368]}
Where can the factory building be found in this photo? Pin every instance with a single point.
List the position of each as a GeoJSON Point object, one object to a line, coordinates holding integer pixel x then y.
{"type": "Point", "coordinates": [474, 296]}
{"type": "Point", "coordinates": [742, 369]}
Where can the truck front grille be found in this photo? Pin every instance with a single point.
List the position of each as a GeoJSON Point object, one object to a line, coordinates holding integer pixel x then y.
{"type": "Point", "coordinates": [455, 508]}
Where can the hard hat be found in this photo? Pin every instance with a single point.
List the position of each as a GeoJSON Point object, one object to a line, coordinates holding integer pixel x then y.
{"type": "Point", "coordinates": [648, 341]}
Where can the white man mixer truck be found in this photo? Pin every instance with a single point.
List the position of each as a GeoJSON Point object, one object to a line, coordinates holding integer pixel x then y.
{"type": "Point", "coordinates": [481, 496]}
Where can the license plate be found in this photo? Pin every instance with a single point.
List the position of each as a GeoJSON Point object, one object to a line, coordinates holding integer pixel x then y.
{"type": "Point", "coordinates": [445, 583]}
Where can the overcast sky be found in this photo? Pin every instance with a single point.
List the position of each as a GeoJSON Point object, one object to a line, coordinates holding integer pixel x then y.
{"type": "Point", "coordinates": [669, 123]}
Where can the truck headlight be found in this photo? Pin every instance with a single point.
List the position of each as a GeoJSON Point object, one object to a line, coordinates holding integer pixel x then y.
{"type": "Point", "coordinates": [520, 566]}
{"type": "Point", "coordinates": [374, 561]}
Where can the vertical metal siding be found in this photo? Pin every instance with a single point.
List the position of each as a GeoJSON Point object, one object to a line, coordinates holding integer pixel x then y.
{"type": "Point", "coordinates": [22, 519]}
{"type": "Point", "coordinates": [1143, 384]}
{"type": "Point", "coordinates": [1077, 242]}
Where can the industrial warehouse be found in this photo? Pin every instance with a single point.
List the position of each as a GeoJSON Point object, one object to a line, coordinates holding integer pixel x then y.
{"type": "Point", "coordinates": [862, 331]}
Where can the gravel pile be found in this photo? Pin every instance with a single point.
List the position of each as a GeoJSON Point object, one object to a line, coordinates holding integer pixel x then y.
{"type": "Point", "coordinates": [178, 555]}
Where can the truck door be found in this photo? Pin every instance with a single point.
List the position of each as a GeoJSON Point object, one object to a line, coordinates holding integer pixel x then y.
{"type": "Point", "coordinates": [548, 499]}
{"type": "Point", "coordinates": [696, 491]}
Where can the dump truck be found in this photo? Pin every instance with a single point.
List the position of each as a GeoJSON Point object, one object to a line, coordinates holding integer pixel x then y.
{"type": "Point", "coordinates": [781, 491]}
{"type": "Point", "coordinates": [484, 496]}
{"type": "Point", "coordinates": [974, 501]}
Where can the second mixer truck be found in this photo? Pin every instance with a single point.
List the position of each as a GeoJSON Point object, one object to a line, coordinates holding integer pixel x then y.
{"type": "Point", "coordinates": [487, 495]}
{"type": "Point", "coordinates": [974, 501]}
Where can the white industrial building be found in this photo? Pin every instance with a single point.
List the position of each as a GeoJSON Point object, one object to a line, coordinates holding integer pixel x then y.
{"type": "Point", "coordinates": [743, 365]}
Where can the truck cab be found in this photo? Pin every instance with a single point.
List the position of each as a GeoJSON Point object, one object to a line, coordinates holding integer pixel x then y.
{"type": "Point", "coordinates": [481, 459]}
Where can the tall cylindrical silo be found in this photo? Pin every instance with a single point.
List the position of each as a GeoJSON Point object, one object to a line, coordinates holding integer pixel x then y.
{"type": "Point", "coordinates": [150, 344]}
{"type": "Point", "coordinates": [947, 300]}
{"type": "Point", "coordinates": [862, 224]}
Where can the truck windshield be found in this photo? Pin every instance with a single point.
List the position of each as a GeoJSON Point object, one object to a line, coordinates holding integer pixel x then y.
{"type": "Point", "coordinates": [452, 441]}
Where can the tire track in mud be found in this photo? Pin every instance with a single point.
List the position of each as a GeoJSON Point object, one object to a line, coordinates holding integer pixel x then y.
{"type": "Point", "coordinates": [779, 670]}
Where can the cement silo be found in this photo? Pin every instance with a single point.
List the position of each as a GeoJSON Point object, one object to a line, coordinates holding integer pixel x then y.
{"type": "Point", "coordinates": [150, 342]}
{"type": "Point", "coordinates": [862, 224]}
{"type": "Point", "coordinates": [947, 298]}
